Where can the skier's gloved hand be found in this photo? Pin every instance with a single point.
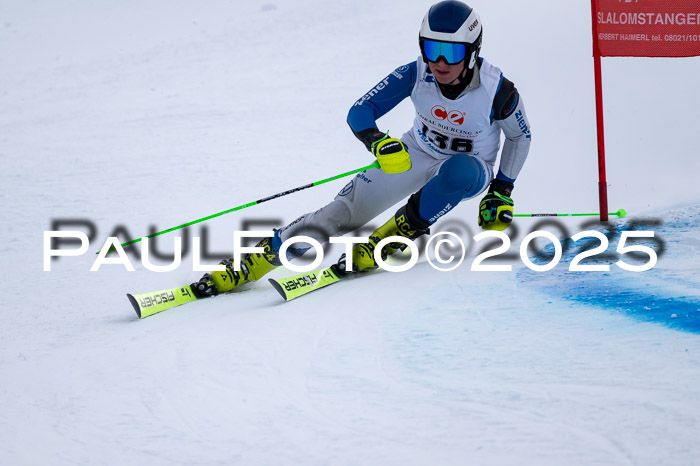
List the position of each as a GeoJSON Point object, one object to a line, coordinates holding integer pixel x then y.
{"type": "Point", "coordinates": [496, 208]}
{"type": "Point", "coordinates": [390, 152]}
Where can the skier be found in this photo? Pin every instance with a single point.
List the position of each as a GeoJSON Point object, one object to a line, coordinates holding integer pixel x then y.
{"type": "Point", "coordinates": [462, 104]}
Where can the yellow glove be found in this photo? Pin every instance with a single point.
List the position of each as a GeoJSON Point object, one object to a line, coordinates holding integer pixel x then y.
{"type": "Point", "coordinates": [391, 154]}
{"type": "Point", "coordinates": [496, 208]}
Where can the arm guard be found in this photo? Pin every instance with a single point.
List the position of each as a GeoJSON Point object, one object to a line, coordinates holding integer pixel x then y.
{"type": "Point", "coordinates": [509, 112]}
{"type": "Point", "coordinates": [387, 94]}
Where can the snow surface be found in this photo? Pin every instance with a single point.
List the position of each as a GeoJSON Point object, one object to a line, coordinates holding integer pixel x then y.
{"type": "Point", "coordinates": [151, 114]}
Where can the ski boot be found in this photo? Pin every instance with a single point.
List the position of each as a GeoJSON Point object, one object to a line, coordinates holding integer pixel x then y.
{"type": "Point", "coordinates": [363, 254]}
{"type": "Point", "coordinates": [253, 267]}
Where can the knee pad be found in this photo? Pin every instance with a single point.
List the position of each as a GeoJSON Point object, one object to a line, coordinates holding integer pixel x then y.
{"type": "Point", "coordinates": [460, 177]}
{"type": "Point", "coordinates": [461, 173]}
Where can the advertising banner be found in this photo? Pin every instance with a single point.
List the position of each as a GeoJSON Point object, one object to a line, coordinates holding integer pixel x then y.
{"type": "Point", "coordinates": [646, 28]}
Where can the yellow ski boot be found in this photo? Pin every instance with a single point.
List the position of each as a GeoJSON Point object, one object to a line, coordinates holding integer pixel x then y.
{"type": "Point", "coordinates": [363, 254]}
{"type": "Point", "coordinates": [253, 267]}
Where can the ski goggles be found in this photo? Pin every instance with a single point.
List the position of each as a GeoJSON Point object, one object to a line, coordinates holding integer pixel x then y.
{"type": "Point", "coordinates": [452, 53]}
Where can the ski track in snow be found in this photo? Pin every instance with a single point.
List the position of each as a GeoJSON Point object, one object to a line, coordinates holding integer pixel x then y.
{"type": "Point", "coordinates": [140, 117]}
{"type": "Point", "coordinates": [669, 293]}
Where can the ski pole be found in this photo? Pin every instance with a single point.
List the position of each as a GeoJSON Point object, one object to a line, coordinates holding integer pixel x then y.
{"type": "Point", "coordinates": [620, 213]}
{"type": "Point", "coordinates": [250, 204]}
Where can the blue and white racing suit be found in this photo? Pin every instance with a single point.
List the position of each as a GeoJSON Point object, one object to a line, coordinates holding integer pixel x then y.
{"type": "Point", "coordinates": [453, 146]}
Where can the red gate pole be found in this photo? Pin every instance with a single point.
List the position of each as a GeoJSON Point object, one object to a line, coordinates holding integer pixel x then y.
{"type": "Point", "coordinates": [602, 181]}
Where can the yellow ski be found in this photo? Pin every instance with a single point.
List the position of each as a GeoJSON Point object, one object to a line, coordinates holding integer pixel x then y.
{"type": "Point", "coordinates": [147, 304]}
{"type": "Point", "coordinates": [299, 285]}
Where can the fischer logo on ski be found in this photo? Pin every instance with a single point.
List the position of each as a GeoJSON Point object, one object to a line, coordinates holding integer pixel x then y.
{"type": "Point", "coordinates": [161, 298]}
{"type": "Point", "coordinates": [147, 304]}
{"type": "Point", "coordinates": [299, 285]}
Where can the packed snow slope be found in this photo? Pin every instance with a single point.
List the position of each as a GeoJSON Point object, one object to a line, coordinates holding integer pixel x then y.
{"type": "Point", "coordinates": [133, 117]}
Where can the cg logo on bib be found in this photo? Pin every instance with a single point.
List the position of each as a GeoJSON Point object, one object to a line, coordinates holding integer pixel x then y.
{"type": "Point", "coordinates": [347, 189]}
{"type": "Point", "coordinates": [453, 116]}
{"type": "Point", "coordinates": [438, 112]}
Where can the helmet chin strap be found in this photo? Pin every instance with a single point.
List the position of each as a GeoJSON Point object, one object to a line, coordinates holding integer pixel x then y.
{"type": "Point", "coordinates": [455, 88]}
{"type": "Point", "coordinates": [466, 75]}
{"type": "Point", "coordinates": [462, 78]}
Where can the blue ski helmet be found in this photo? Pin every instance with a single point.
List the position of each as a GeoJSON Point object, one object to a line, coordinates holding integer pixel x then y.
{"type": "Point", "coordinates": [451, 30]}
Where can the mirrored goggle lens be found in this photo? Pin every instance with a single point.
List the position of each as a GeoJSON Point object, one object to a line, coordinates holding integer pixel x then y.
{"type": "Point", "coordinates": [453, 53]}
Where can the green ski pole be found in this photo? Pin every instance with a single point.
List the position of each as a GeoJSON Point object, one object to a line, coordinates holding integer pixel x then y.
{"type": "Point", "coordinates": [250, 204]}
{"type": "Point", "coordinates": [620, 213]}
